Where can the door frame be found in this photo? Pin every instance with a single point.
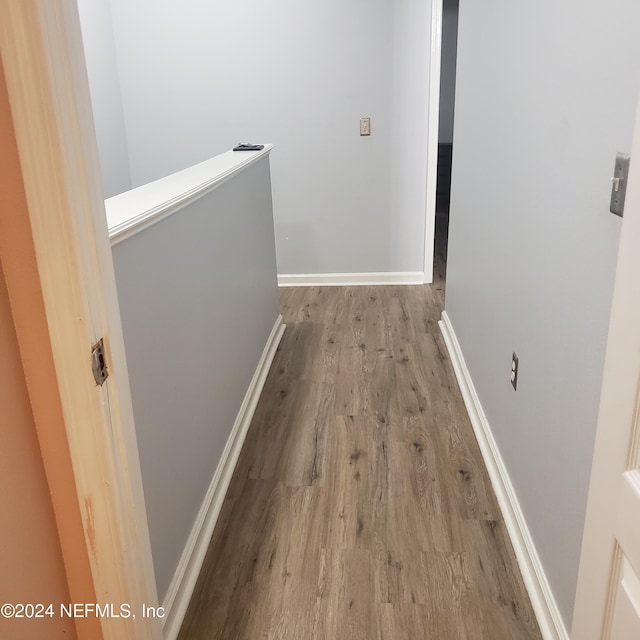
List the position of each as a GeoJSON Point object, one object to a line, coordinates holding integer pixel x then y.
{"type": "Point", "coordinates": [433, 131]}
{"type": "Point", "coordinates": [616, 443]}
{"type": "Point", "coordinates": [56, 258]}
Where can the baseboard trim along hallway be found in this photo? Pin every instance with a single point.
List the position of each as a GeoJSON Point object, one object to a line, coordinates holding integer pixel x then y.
{"type": "Point", "coordinates": [535, 580]}
{"type": "Point", "coordinates": [181, 588]}
{"type": "Point", "coordinates": [349, 279]}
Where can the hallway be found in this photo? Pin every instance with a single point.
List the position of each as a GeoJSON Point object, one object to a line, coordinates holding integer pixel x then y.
{"type": "Point", "coordinates": [360, 507]}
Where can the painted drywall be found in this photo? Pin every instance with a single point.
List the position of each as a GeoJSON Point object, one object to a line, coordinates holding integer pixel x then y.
{"type": "Point", "coordinates": [30, 556]}
{"type": "Point", "coordinates": [106, 97]}
{"type": "Point", "coordinates": [448, 70]}
{"type": "Point", "coordinates": [542, 107]}
{"type": "Point", "coordinates": [198, 77]}
{"type": "Point", "coordinates": [198, 299]}
{"type": "Point", "coordinates": [409, 106]}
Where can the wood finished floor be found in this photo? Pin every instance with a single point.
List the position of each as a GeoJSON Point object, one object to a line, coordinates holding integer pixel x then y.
{"type": "Point", "coordinates": [360, 508]}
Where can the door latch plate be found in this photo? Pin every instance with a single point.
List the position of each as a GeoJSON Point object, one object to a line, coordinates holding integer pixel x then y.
{"type": "Point", "coordinates": [99, 363]}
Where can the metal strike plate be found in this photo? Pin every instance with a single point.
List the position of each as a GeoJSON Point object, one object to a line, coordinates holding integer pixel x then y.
{"type": "Point", "coordinates": [99, 363]}
{"type": "Point", "coordinates": [619, 183]}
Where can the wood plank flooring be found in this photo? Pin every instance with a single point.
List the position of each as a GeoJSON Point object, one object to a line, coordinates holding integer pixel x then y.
{"type": "Point", "coordinates": [360, 508]}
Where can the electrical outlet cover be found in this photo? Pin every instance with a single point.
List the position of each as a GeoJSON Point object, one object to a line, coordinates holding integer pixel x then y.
{"type": "Point", "coordinates": [514, 371]}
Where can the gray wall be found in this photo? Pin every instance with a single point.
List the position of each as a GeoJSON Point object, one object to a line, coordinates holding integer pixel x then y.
{"type": "Point", "coordinates": [545, 96]}
{"type": "Point", "coordinates": [407, 179]}
{"type": "Point", "coordinates": [106, 98]}
{"type": "Point", "coordinates": [448, 69]}
{"type": "Point", "coordinates": [198, 299]}
{"type": "Point", "coordinates": [301, 78]}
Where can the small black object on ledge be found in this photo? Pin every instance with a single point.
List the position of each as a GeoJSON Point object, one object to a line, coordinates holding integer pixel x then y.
{"type": "Point", "coordinates": [249, 147]}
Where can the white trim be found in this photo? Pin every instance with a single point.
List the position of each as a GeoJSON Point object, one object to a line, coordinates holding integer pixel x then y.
{"type": "Point", "coordinates": [349, 279]}
{"type": "Point", "coordinates": [432, 137]}
{"type": "Point", "coordinates": [184, 580]}
{"type": "Point", "coordinates": [535, 580]}
{"type": "Point", "coordinates": [132, 211]}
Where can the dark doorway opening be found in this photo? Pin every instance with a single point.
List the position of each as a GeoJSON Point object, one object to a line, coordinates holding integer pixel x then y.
{"type": "Point", "coordinates": [445, 135]}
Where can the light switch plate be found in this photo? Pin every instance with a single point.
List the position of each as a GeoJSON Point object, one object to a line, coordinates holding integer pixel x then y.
{"type": "Point", "coordinates": [619, 183]}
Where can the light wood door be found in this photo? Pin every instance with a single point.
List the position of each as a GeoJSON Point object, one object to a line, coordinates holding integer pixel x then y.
{"type": "Point", "coordinates": [608, 594]}
{"type": "Point", "coordinates": [56, 260]}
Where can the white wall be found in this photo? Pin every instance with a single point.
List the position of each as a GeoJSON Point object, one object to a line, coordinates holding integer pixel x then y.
{"type": "Point", "coordinates": [448, 69]}
{"type": "Point", "coordinates": [198, 298]}
{"type": "Point", "coordinates": [409, 92]}
{"type": "Point", "coordinates": [197, 77]}
{"type": "Point", "coordinates": [106, 98]}
{"type": "Point", "coordinates": [542, 107]}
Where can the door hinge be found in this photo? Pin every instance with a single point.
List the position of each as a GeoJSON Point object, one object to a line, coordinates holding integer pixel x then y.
{"type": "Point", "coordinates": [99, 363]}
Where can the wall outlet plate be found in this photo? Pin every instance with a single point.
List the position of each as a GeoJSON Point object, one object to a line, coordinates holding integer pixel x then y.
{"type": "Point", "coordinates": [514, 371]}
{"type": "Point", "coordinates": [365, 126]}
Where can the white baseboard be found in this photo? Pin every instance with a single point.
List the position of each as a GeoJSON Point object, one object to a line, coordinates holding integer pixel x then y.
{"type": "Point", "coordinates": [535, 580]}
{"type": "Point", "coordinates": [349, 279]}
{"type": "Point", "coordinates": [184, 580]}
